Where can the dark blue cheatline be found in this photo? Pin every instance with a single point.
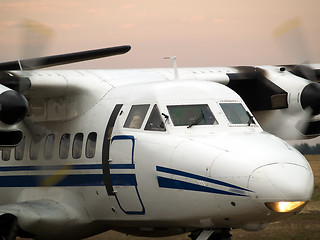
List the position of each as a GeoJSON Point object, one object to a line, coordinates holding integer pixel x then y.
{"type": "Point", "coordinates": [178, 184]}
{"type": "Point", "coordinates": [34, 179]}
{"type": "Point", "coordinates": [50, 167]}
{"type": "Point", "coordinates": [64, 180]}
{"type": "Point", "coordinates": [122, 166]}
{"type": "Point", "coordinates": [123, 179]}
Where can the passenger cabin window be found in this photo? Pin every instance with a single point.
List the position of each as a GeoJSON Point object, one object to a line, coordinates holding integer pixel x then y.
{"type": "Point", "coordinates": [155, 122]}
{"type": "Point", "coordinates": [91, 145]}
{"type": "Point", "coordinates": [64, 146]}
{"type": "Point", "coordinates": [77, 145]}
{"type": "Point", "coordinates": [136, 116]}
{"type": "Point", "coordinates": [49, 146]}
{"type": "Point", "coordinates": [6, 153]}
{"type": "Point", "coordinates": [236, 113]}
{"type": "Point", "coordinates": [19, 150]}
{"type": "Point", "coordinates": [189, 115]}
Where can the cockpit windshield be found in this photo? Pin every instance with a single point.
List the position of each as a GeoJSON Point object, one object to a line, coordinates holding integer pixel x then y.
{"type": "Point", "coordinates": [190, 115]}
{"type": "Point", "coordinates": [236, 113]}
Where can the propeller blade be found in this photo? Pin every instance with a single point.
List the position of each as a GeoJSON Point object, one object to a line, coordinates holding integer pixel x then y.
{"type": "Point", "coordinates": [35, 38]}
{"type": "Point", "coordinates": [303, 123]}
{"type": "Point", "coordinates": [304, 71]}
{"type": "Point", "coordinates": [289, 36]}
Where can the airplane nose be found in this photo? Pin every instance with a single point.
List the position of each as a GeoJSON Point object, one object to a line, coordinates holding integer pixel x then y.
{"type": "Point", "coordinates": [282, 182]}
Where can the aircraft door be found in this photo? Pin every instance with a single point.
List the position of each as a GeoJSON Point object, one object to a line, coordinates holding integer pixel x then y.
{"type": "Point", "coordinates": [123, 177]}
{"type": "Point", "coordinates": [122, 169]}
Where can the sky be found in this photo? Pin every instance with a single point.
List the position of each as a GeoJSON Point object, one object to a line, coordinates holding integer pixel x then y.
{"type": "Point", "coordinates": [199, 33]}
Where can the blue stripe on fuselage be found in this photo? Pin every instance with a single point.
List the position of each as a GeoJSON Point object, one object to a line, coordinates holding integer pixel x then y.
{"type": "Point", "coordinates": [33, 179]}
{"type": "Point", "coordinates": [51, 167]}
{"type": "Point", "coordinates": [177, 184]}
{"type": "Point", "coordinates": [201, 178]}
{"type": "Point", "coordinates": [123, 179]}
{"type": "Point", "coordinates": [64, 180]}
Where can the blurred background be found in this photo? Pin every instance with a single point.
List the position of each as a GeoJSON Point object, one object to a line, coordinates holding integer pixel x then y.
{"type": "Point", "coordinates": [200, 33]}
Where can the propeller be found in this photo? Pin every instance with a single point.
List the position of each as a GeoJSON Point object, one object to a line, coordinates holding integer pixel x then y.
{"type": "Point", "coordinates": [289, 36]}
{"type": "Point", "coordinates": [38, 34]}
{"type": "Point", "coordinates": [13, 104]}
{"type": "Point", "coordinates": [310, 98]}
{"type": "Point", "coordinates": [14, 107]}
{"type": "Point", "coordinates": [15, 81]}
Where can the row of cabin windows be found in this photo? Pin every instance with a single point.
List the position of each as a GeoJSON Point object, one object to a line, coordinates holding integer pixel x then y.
{"type": "Point", "coordinates": [49, 143]}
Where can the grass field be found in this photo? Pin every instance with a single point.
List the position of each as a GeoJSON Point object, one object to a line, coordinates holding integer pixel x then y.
{"type": "Point", "coordinates": [304, 226]}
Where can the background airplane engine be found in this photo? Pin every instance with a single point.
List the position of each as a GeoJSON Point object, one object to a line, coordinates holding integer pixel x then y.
{"type": "Point", "coordinates": [280, 99]}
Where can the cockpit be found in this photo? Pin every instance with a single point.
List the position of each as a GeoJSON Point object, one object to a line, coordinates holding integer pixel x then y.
{"type": "Point", "coordinates": [182, 107]}
{"type": "Point", "coordinates": [187, 115]}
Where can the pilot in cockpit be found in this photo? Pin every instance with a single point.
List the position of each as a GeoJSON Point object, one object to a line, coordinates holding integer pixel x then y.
{"type": "Point", "coordinates": [136, 121]}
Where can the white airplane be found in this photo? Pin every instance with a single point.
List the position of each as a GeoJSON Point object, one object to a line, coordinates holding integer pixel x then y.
{"type": "Point", "coordinates": [151, 152]}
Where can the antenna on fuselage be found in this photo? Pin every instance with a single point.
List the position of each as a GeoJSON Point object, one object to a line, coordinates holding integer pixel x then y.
{"type": "Point", "coordinates": [175, 68]}
{"type": "Point", "coordinates": [20, 65]}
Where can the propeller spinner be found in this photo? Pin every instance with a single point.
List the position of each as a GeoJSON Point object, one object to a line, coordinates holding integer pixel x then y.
{"type": "Point", "coordinates": [310, 97]}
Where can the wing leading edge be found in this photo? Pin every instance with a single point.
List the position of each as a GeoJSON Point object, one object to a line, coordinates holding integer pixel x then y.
{"type": "Point", "coordinates": [55, 60]}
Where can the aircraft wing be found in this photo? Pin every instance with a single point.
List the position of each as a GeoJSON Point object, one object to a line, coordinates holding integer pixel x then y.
{"type": "Point", "coordinates": [50, 61]}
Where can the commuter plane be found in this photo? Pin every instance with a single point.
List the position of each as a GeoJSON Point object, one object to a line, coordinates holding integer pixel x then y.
{"type": "Point", "coordinates": [152, 152]}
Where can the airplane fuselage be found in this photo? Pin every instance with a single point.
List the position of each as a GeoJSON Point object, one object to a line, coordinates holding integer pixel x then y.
{"type": "Point", "coordinates": [138, 152]}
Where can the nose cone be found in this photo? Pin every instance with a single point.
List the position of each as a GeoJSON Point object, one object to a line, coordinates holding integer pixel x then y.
{"type": "Point", "coordinates": [282, 182]}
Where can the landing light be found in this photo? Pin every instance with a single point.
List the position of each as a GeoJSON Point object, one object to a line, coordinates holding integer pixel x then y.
{"type": "Point", "coordinates": [284, 207]}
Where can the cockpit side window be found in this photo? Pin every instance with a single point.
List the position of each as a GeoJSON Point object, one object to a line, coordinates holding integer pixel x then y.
{"type": "Point", "coordinates": [189, 115]}
{"type": "Point", "coordinates": [136, 116]}
{"type": "Point", "coordinates": [236, 113]}
{"type": "Point", "coordinates": [155, 122]}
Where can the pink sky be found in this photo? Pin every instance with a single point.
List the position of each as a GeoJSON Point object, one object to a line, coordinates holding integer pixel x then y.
{"type": "Point", "coordinates": [199, 33]}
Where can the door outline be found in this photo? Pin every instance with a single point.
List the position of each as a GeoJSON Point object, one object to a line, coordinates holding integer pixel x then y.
{"type": "Point", "coordinates": [126, 179]}
{"type": "Point", "coordinates": [106, 150]}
